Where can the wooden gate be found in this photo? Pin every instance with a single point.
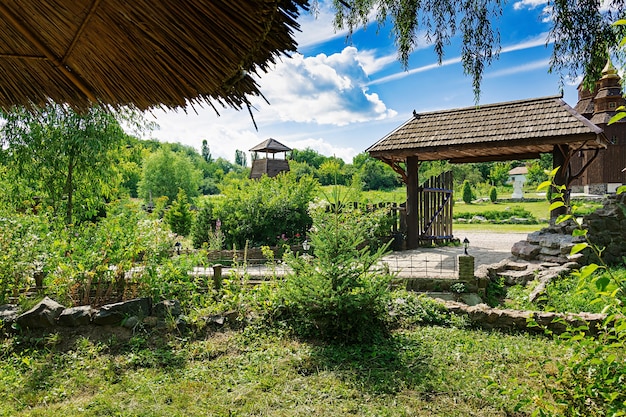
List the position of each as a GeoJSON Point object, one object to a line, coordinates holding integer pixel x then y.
{"type": "Point", "coordinates": [434, 202]}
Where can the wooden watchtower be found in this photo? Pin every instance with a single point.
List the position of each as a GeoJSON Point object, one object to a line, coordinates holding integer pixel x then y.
{"type": "Point", "coordinates": [270, 167]}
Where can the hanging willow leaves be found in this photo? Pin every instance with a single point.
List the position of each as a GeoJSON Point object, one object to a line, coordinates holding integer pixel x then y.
{"type": "Point", "coordinates": [581, 32]}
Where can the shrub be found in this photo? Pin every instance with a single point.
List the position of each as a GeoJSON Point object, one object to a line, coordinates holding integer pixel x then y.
{"type": "Point", "coordinates": [341, 293]}
{"type": "Point", "coordinates": [467, 192]}
{"type": "Point", "coordinates": [500, 216]}
{"type": "Point", "coordinates": [262, 211]}
{"type": "Point", "coordinates": [202, 226]}
{"type": "Point", "coordinates": [493, 194]}
{"type": "Point", "coordinates": [179, 215]}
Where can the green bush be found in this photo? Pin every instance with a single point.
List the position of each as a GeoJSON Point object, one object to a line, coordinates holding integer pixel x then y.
{"type": "Point", "coordinates": [410, 308]}
{"type": "Point", "coordinates": [267, 211]}
{"type": "Point", "coordinates": [467, 192]}
{"type": "Point", "coordinates": [179, 215]}
{"type": "Point", "coordinates": [493, 194]}
{"type": "Point", "coordinates": [499, 216]}
{"type": "Point", "coordinates": [341, 293]}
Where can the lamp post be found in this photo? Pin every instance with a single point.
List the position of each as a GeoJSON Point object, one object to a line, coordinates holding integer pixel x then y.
{"type": "Point", "coordinates": [465, 245]}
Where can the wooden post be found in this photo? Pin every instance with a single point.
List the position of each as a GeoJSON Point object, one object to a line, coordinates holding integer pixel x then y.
{"type": "Point", "coordinates": [217, 276]}
{"type": "Point", "coordinates": [412, 210]}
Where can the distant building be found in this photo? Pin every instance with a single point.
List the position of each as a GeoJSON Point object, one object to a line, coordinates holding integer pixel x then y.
{"type": "Point", "coordinates": [517, 176]}
{"type": "Point", "coordinates": [270, 167]}
{"type": "Point", "coordinates": [605, 170]}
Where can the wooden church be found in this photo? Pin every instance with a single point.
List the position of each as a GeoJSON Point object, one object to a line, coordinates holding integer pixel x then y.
{"type": "Point", "coordinates": [604, 171]}
{"type": "Point", "coordinates": [265, 165]}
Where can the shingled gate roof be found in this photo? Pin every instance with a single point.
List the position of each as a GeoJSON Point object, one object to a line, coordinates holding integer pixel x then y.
{"type": "Point", "coordinates": [143, 54]}
{"type": "Point", "coordinates": [513, 130]}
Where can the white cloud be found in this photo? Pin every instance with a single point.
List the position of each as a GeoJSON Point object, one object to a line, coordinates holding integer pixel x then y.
{"type": "Point", "coordinates": [403, 74]}
{"type": "Point", "coordinates": [317, 28]}
{"type": "Point", "coordinates": [530, 66]}
{"type": "Point", "coordinates": [529, 4]}
{"type": "Point", "coordinates": [372, 64]}
{"type": "Point", "coordinates": [322, 90]}
{"type": "Point", "coordinates": [539, 40]}
{"type": "Point", "coordinates": [325, 148]}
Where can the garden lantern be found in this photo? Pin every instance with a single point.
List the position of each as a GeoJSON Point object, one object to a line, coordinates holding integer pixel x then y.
{"type": "Point", "coordinates": [465, 245]}
{"type": "Point", "coordinates": [306, 246]}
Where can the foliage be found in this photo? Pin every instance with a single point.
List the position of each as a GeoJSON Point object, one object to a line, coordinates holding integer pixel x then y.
{"type": "Point", "coordinates": [24, 243]}
{"type": "Point", "coordinates": [206, 151]}
{"type": "Point", "coordinates": [341, 293]}
{"type": "Point", "coordinates": [62, 158]}
{"type": "Point", "coordinates": [261, 211]}
{"type": "Point", "coordinates": [179, 215]}
{"type": "Point", "coordinates": [592, 381]}
{"type": "Point", "coordinates": [240, 158]}
{"type": "Point", "coordinates": [375, 174]}
{"type": "Point", "coordinates": [164, 172]}
{"type": "Point", "coordinates": [308, 155]}
{"type": "Point", "coordinates": [202, 225]}
{"type": "Point", "coordinates": [493, 194]}
{"type": "Point", "coordinates": [408, 308]}
{"type": "Point", "coordinates": [499, 215]}
{"type": "Point", "coordinates": [468, 194]}
{"type": "Point", "coordinates": [581, 31]}
{"type": "Point", "coordinates": [537, 169]}
{"type": "Point", "coordinates": [329, 173]}
{"type": "Point", "coordinates": [499, 173]}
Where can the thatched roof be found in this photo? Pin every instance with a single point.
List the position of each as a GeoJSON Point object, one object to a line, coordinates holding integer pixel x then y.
{"type": "Point", "coordinates": [270, 146]}
{"type": "Point", "coordinates": [140, 53]}
{"type": "Point", "coordinates": [503, 131]}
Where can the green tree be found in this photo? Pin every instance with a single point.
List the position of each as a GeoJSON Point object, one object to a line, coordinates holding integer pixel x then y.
{"type": "Point", "coordinates": [581, 30]}
{"type": "Point", "coordinates": [262, 211]}
{"type": "Point", "coordinates": [164, 172]}
{"type": "Point", "coordinates": [499, 173]}
{"type": "Point", "coordinates": [375, 174]}
{"type": "Point", "coordinates": [310, 156]}
{"type": "Point", "coordinates": [206, 151]}
{"type": "Point", "coordinates": [329, 173]}
{"type": "Point", "coordinates": [493, 194]}
{"type": "Point", "coordinates": [179, 215]}
{"type": "Point", "coordinates": [341, 293]}
{"type": "Point", "coordinates": [240, 158]}
{"type": "Point", "coordinates": [203, 225]}
{"type": "Point", "coordinates": [467, 192]}
{"type": "Point", "coordinates": [63, 157]}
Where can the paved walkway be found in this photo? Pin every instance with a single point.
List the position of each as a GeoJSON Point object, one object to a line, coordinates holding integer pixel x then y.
{"type": "Point", "coordinates": [486, 248]}
{"type": "Point", "coordinates": [440, 262]}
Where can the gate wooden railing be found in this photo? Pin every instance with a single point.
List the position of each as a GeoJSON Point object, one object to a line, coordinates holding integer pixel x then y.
{"type": "Point", "coordinates": [435, 209]}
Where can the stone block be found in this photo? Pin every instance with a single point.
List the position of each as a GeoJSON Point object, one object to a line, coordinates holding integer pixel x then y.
{"type": "Point", "coordinates": [525, 250]}
{"type": "Point", "coordinates": [75, 316]}
{"type": "Point", "coordinates": [115, 313]}
{"type": "Point", "coordinates": [43, 315]}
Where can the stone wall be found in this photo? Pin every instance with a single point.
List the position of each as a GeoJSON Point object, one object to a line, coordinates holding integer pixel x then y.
{"type": "Point", "coordinates": [606, 229]}
{"type": "Point", "coordinates": [485, 317]}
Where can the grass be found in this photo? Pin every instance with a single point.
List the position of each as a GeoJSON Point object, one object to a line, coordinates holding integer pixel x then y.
{"type": "Point", "coordinates": [539, 209]}
{"type": "Point", "coordinates": [498, 228]}
{"type": "Point", "coordinates": [426, 371]}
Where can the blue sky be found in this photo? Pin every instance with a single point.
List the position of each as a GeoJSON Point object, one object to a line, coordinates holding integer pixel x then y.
{"type": "Point", "coordinates": [339, 96]}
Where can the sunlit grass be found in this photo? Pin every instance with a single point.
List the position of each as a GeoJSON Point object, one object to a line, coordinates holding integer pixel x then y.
{"type": "Point", "coordinates": [433, 371]}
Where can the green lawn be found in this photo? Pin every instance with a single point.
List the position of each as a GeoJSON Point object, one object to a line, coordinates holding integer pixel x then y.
{"type": "Point", "coordinates": [498, 228]}
{"type": "Point", "coordinates": [421, 371]}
